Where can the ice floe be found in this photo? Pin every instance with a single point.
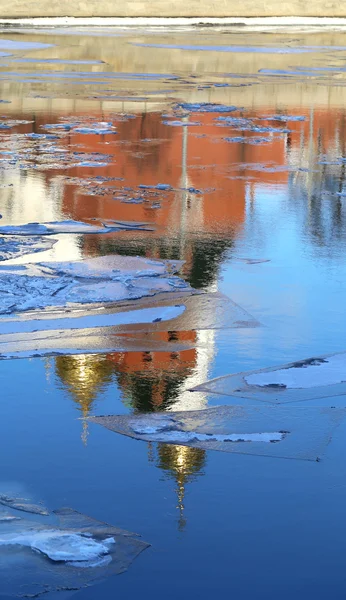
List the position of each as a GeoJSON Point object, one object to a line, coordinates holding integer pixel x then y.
{"type": "Point", "coordinates": [74, 552]}
{"type": "Point", "coordinates": [181, 123]}
{"type": "Point", "coordinates": [61, 307]}
{"type": "Point", "coordinates": [13, 247]}
{"type": "Point", "coordinates": [311, 373]}
{"type": "Point", "coordinates": [75, 548]}
{"type": "Point", "coordinates": [206, 107]}
{"type": "Point", "coordinates": [249, 140]}
{"type": "Point", "coordinates": [309, 379]}
{"type": "Point", "coordinates": [118, 326]}
{"type": "Point", "coordinates": [301, 433]}
{"type": "Point", "coordinates": [70, 226]}
{"type": "Point", "coordinates": [114, 265]}
{"type": "Point", "coordinates": [47, 285]}
{"type": "Point", "coordinates": [23, 504]}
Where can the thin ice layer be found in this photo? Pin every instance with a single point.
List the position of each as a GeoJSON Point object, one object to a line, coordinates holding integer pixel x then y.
{"type": "Point", "coordinates": [179, 310]}
{"type": "Point", "coordinates": [107, 280]}
{"type": "Point", "coordinates": [23, 504]}
{"type": "Point", "coordinates": [111, 267]}
{"type": "Point", "coordinates": [97, 328]}
{"type": "Point", "coordinates": [169, 433]}
{"type": "Point", "coordinates": [24, 292]}
{"type": "Point", "coordinates": [309, 374]}
{"type": "Point", "coordinates": [13, 247]}
{"type": "Point", "coordinates": [55, 227]}
{"type": "Point", "coordinates": [304, 380]}
{"type": "Point", "coordinates": [300, 433]}
{"type": "Point", "coordinates": [60, 545]}
{"type": "Point", "coordinates": [37, 558]}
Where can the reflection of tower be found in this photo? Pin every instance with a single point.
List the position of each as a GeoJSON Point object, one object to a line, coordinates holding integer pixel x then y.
{"type": "Point", "coordinates": [181, 463]}
{"type": "Point", "coordinates": [83, 376]}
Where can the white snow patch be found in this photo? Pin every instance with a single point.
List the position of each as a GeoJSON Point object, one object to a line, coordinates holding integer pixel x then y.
{"type": "Point", "coordinates": [153, 425]}
{"type": "Point", "coordinates": [164, 432]}
{"type": "Point", "coordinates": [73, 548]}
{"type": "Point", "coordinates": [321, 372]}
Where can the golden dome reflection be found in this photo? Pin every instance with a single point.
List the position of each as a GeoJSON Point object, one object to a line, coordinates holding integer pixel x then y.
{"type": "Point", "coordinates": [181, 463]}
{"type": "Point", "coordinates": [84, 376]}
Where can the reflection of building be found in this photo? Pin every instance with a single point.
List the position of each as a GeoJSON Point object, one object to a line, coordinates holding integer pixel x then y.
{"type": "Point", "coordinates": [197, 228]}
{"type": "Point", "coordinates": [84, 376]}
{"type": "Point", "coordinates": [181, 463]}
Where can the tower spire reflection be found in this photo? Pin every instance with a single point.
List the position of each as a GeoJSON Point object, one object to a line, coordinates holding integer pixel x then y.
{"type": "Point", "coordinates": [183, 464]}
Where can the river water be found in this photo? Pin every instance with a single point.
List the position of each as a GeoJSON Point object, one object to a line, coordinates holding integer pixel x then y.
{"type": "Point", "coordinates": [232, 146]}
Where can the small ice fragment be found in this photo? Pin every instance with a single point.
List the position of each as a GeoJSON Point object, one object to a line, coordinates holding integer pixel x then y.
{"type": "Point", "coordinates": [38, 558]}
{"type": "Point", "coordinates": [301, 433]}
{"type": "Point", "coordinates": [304, 374]}
{"type": "Point", "coordinates": [207, 107]}
{"type": "Point", "coordinates": [181, 123]}
{"type": "Point", "coordinates": [285, 118]}
{"type": "Point", "coordinates": [13, 247]}
{"type": "Point", "coordinates": [59, 545]}
{"type": "Point", "coordinates": [253, 261]}
{"type": "Point", "coordinates": [23, 504]}
{"type": "Point", "coordinates": [101, 561]}
{"type": "Point", "coordinates": [69, 226]}
{"type": "Point", "coordinates": [153, 425]}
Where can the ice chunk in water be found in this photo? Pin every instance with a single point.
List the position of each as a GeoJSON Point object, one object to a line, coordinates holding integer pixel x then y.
{"type": "Point", "coordinates": [67, 227]}
{"type": "Point", "coordinates": [112, 266]}
{"type": "Point", "coordinates": [167, 430]}
{"type": "Point", "coordinates": [60, 545]}
{"type": "Point", "coordinates": [303, 380]}
{"type": "Point", "coordinates": [13, 247]}
{"type": "Point", "coordinates": [181, 123]}
{"type": "Point", "coordinates": [207, 107]}
{"type": "Point", "coordinates": [98, 130]}
{"type": "Point", "coordinates": [37, 558]}
{"type": "Point", "coordinates": [5, 517]}
{"type": "Point", "coordinates": [311, 373]}
{"type": "Point", "coordinates": [110, 279]}
{"type": "Point", "coordinates": [23, 504]}
{"type": "Point", "coordinates": [301, 433]}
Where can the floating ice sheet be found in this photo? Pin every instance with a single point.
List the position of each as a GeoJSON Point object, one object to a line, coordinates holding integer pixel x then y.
{"type": "Point", "coordinates": [249, 140]}
{"type": "Point", "coordinates": [37, 557]}
{"type": "Point", "coordinates": [22, 504]}
{"type": "Point", "coordinates": [97, 128]}
{"type": "Point", "coordinates": [300, 433]}
{"type": "Point", "coordinates": [285, 118]}
{"type": "Point", "coordinates": [252, 261]}
{"type": "Point", "coordinates": [112, 266]}
{"type": "Point", "coordinates": [182, 123]}
{"type": "Point", "coordinates": [204, 107]}
{"type": "Point", "coordinates": [38, 287]}
{"type": "Point", "coordinates": [55, 227]}
{"type": "Point", "coordinates": [82, 341]}
{"type": "Point", "coordinates": [97, 328]}
{"type": "Point", "coordinates": [13, 247]}
{"type": "Point", "coordinates": [309, 379]}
